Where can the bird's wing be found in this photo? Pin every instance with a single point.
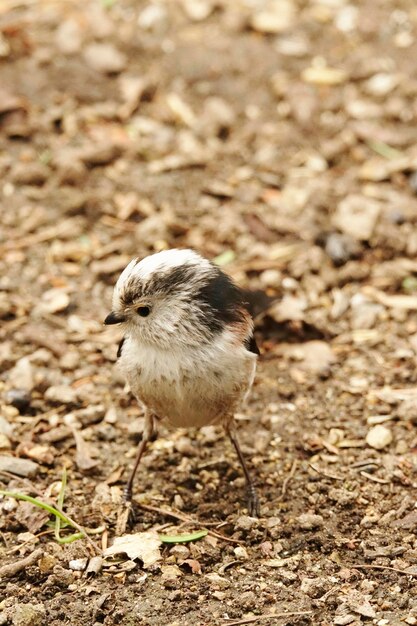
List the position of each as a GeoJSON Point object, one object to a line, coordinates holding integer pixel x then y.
{"type": "Point", "coordinates": [251, 345]}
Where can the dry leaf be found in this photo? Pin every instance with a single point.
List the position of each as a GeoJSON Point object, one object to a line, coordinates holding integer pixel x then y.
{"type": "Point", "coordinates": [83, 453]}
{"type": "Point", "coordinates": [193, 564]}
{"type": "Point", "coordinates": [143, 546]}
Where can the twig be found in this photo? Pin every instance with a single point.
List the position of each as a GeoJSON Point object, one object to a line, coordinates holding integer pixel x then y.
{"type": "Point", "coordinates": [326, 474]}
{"type": "Point", "coordinates": [185, 518]}
{"type": "Point", "coordinates": [391, 569]}
{"type": "Point", "coordinates": [375, 479]}
{"type": "Point", "coordinates": [14, 568]}
{"type": "Point", "coordinates": [31, 540]}
{"type": "Point", "coordinates": [258, 618]}
{"type": "Point", "coordinates": [226, 566]}
{"type": "Point", "coordinates": [288, 478]}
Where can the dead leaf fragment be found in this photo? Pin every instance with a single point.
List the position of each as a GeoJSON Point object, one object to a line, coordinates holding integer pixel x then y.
{"type": "Point", "coordinates": [40, 453]}
{"type": "Point", "coordinates": [194, 565]}
{"type": "Point", "coordinates": [83, 454]}
{"type": "Point", "coordinates": [31, 517]}
{"type": "Point", "coordinates": [360, 604]}
{"type": "Point", "coordinates": [144, 546]}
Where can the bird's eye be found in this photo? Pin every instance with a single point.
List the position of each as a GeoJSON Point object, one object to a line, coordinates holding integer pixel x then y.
{"type": "Point", "coordinates": [143, 311]}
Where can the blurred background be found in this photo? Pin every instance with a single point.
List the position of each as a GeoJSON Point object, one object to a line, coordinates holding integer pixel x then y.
{"type": "Point", "coordinates": [278, 139]}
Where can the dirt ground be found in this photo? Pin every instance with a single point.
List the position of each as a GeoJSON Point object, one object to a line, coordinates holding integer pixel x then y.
{"type": "Point", "coordinates": [278, 139]}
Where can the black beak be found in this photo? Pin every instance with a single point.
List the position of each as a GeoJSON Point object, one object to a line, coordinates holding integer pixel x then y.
{"type": "Point", "coordinates": [114, 318]}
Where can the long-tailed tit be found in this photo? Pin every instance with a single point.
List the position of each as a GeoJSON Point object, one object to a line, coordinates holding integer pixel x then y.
{"type": "Point", "coordinates": [188, 351]}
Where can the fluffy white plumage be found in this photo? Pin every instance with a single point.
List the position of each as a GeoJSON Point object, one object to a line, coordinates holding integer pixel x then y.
{"type": "Point", "coordinates": [189, 388]}
{"type": "Point", "coordinates": [181, 364]}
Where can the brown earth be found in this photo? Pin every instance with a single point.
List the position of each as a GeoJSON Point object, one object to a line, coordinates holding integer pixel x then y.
{"type": "Point", "coordinates": [289, 157]}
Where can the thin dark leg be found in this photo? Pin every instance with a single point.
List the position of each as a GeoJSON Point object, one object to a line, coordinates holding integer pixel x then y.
{"type": "Point", "coordinates": [146, 436]}
{"type": "Point", "coordinates": [253, 500]}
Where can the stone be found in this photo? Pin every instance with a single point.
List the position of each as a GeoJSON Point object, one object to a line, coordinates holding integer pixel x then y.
{"type": "Point", "coordinates": [310, 521]}
{"type": "Point", "coordinates": [324, 75]}
{"type": "Point", "coordinates": [357, 216]}
{"type": "Point", "coordinates": [61, 394]}
{"type": "Point", "coordinates": [30, 174]}
{"type": "Point", "coordinates": [21, 375]}
{"type": "Point", "coordinates": [20, 467]}
{"type": "Point", "coordinates": [105, 58]}
{"type": "Point", "coordinates": [19, 398]}
{"type": "Point", "coordinates": [27, 614]}
{"type": "Point", "coordinates": [379, 437]}
{"type": "Point", "coordinates": [275, 18]}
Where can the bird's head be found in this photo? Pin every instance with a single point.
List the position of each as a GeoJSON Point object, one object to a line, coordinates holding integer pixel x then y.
{"type": "Point", "coordinates": [176, 298]}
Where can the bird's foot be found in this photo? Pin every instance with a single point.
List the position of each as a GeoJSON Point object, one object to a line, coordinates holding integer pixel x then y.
{"type": "Point", "coordinates": [126, 515]}
{"type": "Point", "coordinates": [254, 508]}
{"type": "Point", "coordinates": [127, 495]}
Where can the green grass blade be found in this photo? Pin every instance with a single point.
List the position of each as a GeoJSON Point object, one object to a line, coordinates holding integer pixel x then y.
{"type": "Point", "coordinates": [183, 538]}
{"type": "Point", "coordinates": [46, 507]}
{"type": "Point", "coordinates": [61, 497]}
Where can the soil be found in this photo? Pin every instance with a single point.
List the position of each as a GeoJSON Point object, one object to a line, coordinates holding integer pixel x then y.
{"type": "Point", "coordinates": [279, 140]}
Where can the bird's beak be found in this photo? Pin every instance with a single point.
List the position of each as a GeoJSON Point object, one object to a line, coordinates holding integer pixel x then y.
{"type": "Point", "coordinates": [114, 318]}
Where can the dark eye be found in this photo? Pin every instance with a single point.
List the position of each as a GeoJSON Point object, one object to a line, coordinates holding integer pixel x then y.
{"type": "Point", "coordinates": [143, 311]}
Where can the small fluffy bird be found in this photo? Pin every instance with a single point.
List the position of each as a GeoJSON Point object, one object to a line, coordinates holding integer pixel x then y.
{"type": "Point", "coordinates": [188, 351]}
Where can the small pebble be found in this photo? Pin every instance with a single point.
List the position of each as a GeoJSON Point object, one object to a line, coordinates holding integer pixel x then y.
{"type": "Point", "coordinates": [27, 614]}
{"type": "Point", "coordinates": [244, 522]}
{"type": "Point", "coordinates": [61, 394]}
{"type": "Point", "coordinates": [19, 398]}
{"type": "Point", "coordinates": [241, 552]}
{"type": "Point", "coordinates": [274, 19]}
{"type": "Point", "coordinates": [324, 76]}
{"type": "Point", "coordinates": [309, 521]}
{"type": "Point", "coordinates": [343, 620]}
{"type": "Point", "coordinates": [30, 173]}
{"type": "Point", "coordinates": [271, 278]}
{"type": "Point", "coordinates": [94, 566]}
{"type": "Point", "coordinates": [105, 58]}
{"type": "Point", "coordinates": [217, 581]}
{"type": "Point", "coordinates": [21, 375]}
{"type": "Point", "coordinates": [341, 247]}
{"type": "Point", "coordinates": [379, 437]}
{"type": "Point", "coordinates": [47, 563]}
{"type": "Point", "coordinates": [5, 443]}
{"type": "Point", "coordinates": [20, 467]}
{"type": "Point", "coordinates": [5, 427]}
{"type": "Point", "coordinates": [170, 574]}
{"type": "Point", "coordinates": [78, 565]}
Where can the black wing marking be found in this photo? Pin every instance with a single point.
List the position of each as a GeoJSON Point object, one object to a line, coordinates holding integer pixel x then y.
{"type": "Point", "coordinates": [251, 345]}
{"type": "Point", "coordinates": [119, 349]}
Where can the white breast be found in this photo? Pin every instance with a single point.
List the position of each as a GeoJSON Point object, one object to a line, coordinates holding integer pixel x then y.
{"type": "Point", "coordinates": [193, 387]}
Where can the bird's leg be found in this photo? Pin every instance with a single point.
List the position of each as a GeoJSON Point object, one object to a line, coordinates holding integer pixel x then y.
{"type": "Point", "coordinates": [146, 436]}
{"type": "Point", "coordinates": [253, 500]}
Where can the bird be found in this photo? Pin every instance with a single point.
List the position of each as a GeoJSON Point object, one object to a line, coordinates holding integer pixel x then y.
{"type": "Point", "coordinates": [188, 352]}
